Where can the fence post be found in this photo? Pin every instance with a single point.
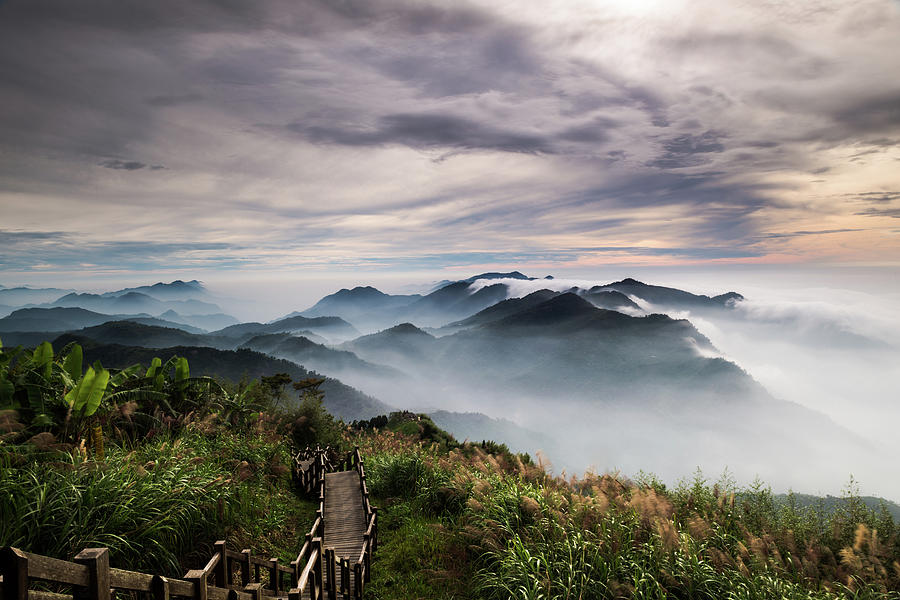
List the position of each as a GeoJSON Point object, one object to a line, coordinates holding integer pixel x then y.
{"type": "Point", "coordinates": [367, 544]}
{"type": "Point", "coordinates": [223, 572]}
{"type": "Point", "coordinates": [159, 588]}
{"type": "Point", "coordinates": [317, 568]}
{"type": "Point", "coordinates": [329, 573]}
{"type": "Point", "coordinates": [294, 593]}
{"type": "Point", "coordinates": [295, 573]}
{"type": "Point", "coordinates": [198, 578]}
{"type": "Point", "coordinates": [345, 577]}
{"type": "Point", "coordinates": [97, 562]}
{"type": "Point", "coordinates": [274, 576]}
{"type": "Point", "coordinates": [255, 590]}
{"type": "Point", "coordinates": [14, 568]}
{"type": "Point", "coordinates": [357, 578]}
{"type": "Point", "coordinates": [375, 529]}
{"type": "Point", "coordinates": [245, 567]}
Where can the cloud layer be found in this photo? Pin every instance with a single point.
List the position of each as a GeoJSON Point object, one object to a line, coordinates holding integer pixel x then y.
{"type": "Point", "coordinates": [323, 135]}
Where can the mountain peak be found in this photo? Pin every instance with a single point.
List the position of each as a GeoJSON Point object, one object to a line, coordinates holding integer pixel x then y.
{"type": "Point", "coordinates": [359, 292]}
{"type": "Point", "coordinates": [406, 329]}
{"type": "Point", "coordinates": [564, 307]}
{"type": "Point", "coordinates": [495, 275]}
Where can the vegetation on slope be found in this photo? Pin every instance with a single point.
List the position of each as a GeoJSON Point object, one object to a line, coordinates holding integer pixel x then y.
{"type": "Point", "coordinates": [156, 465]}
{"type": "Point", "coordinates": [464, 522]}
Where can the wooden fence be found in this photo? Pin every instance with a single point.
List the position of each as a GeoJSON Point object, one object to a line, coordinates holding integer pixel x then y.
{"type": "Point", "coordinates": [316, 582]}
{"type": "Point", "coordinates": [90, 577]}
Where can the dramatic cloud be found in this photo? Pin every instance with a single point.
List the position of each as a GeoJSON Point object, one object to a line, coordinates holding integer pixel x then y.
{"type": "Point", "coordinates": [127, 165]}
{"type": "Point", "coordinates": [333, 135]}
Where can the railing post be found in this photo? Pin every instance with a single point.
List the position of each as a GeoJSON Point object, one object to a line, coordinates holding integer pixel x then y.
{"type": "Point", "coordinates": [329, 573]}
{"type": "Point", "coordinates": [317, 568]}
{"type": "Point", "coordinates": [223, 573]}
{"type": "Point", "coordinates": [198, 578]}
{"type": "Point", "coordinates": [367, 544]}
{"type": "Point", "coordinates": [345, 577]}
{"type": "Point", "coordinates": [14, 568]}
{"type": "Point", "coordinates": [255, 590]}
{"type": "Point", "coordinates": [159, 588]}
{"type": "Point", "coordinates": [375, 528]}
{"type": "Point", "coordinates": [295, 593]}
{"type": "Point", "coordinates": [97, 562]}
{"type": "Point", "coordinates": [274, 576]}
{"type": "Point", "coordinates": [245, 567]}
{"type": "Point", "coordinates": [295, 573]}
{"type": "Point", "coordinates": [357, 578]}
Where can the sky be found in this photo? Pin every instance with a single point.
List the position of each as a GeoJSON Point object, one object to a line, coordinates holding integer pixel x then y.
{"type": "Point", "coordinates": [323, 137]}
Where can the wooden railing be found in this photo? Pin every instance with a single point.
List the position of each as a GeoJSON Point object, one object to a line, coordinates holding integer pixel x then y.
{"type": "Point", "coordinates": [90, 576]}
{"type": "Point", "coordinates": [338, 570]}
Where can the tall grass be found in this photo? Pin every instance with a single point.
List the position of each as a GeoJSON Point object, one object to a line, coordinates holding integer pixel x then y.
{"type": "Point", "coordinates": [528, 535]}
{"type": "Point", "coordinates": [154, 507]}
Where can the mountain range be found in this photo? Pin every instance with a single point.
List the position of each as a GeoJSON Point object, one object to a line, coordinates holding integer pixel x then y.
{"type": "Point", "coordinates": [594, 372]}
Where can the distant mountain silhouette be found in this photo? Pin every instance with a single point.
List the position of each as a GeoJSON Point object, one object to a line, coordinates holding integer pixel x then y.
{"type": "Point", "coordinates": [133, 302]}
{"type": "Point", "coordinates": [455, 301]}
{"type": "Point", "coordinates": [316, 356]}
{"type": "Point", "coordinates": [330, 327]}
{"type": "Point", "coordinates": [666, 296]}
{"type": "Point", "coordinates": [505, 308]}
{"type": "Point", "coordinates": [400, 343]}
{"type": "Point", "coordinates": [510, 275]}
{"type": "Point", "coordinates": [451, 303]}
{"type": "Point", "coordinates": [366, 306]}
{"type": "Point", "coordinates": [66, 319]}
{"type": "Point", "coordinates": [176, 290]}
{"type": "Point", "coordinates": [130, 333]}
{"type": "Point", "coordinates": [23, 296]}
{"type": "Point", "coordinates": [611, 300]}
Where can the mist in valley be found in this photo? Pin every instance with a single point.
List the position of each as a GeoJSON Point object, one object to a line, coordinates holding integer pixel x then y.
{"type": "Point", "coordinates": [828, 351]}
{"type": "Point", "coordinates": [796, 383]}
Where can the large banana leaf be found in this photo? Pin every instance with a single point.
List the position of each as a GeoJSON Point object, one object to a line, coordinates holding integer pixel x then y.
{"type": "Point", "coordinates": [182, 370]}
{"type": "Point", "coordinates": [125, 374]}
{"type": "Point", "coordinates": [154, 367]}
{"type": "Point", "coordinates": [86, 396]}
{"type": "Point", "coordinates": [73, 363]}
{"type": "Point", "coordinates": [43, 359]}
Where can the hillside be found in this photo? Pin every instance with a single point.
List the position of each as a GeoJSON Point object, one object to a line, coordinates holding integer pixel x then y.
{"type": "Point", "coordinates": [66, 319]}
{"type": "Point", "coordinates": [329, 327]}
{"type": "Point", "coordinates": [341, 400]}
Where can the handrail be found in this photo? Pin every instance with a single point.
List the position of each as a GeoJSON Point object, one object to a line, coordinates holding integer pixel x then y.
{"type": "Point", "coordinates": [315, 570]}
{"type": "Point", "coordinates": [311, 465]}
{"type": "Point", "coordinates": [92, 577]}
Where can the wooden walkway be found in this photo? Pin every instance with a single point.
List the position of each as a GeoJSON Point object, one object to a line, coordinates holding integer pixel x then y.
{"type": "Point", "coordinates": [345, 521]}
{"type": "Point", "coordinates": [335, 561]}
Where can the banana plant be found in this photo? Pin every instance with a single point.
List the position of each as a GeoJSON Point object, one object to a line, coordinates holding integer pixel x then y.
{"type": "Point", "coordinates": [7, 387]}
{"type": "Point", "coordinates": [84, 399]}
{"type": "Point", "coordinates": [35, 383]}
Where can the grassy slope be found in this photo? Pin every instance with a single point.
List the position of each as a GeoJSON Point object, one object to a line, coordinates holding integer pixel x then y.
{"type": "Point", "coordinates": [463, 523]}
{"type": "Point", "coordinates": [159, 506]}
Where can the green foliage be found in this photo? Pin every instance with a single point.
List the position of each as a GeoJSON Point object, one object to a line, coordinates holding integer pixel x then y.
{"type": "Point", "coordinates": [153, 507]}
{"type": "Point", "coordinates": [431, 490]}
{"type": "Point", "coordinates": [418, 426]}
{"type": "Point", "coordinates": [310, 424]}
{"type": "Point", "coordinates": [417, 559]}
{"type": "Point", "coordinates": [85, 397]}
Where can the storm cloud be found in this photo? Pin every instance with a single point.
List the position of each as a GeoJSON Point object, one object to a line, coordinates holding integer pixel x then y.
{"type": "Point", "coordinates": [334, 135]}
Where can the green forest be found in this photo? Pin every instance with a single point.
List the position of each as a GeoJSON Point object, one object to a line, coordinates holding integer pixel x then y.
{"type": "Point", "coordinates": [157, 464]}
